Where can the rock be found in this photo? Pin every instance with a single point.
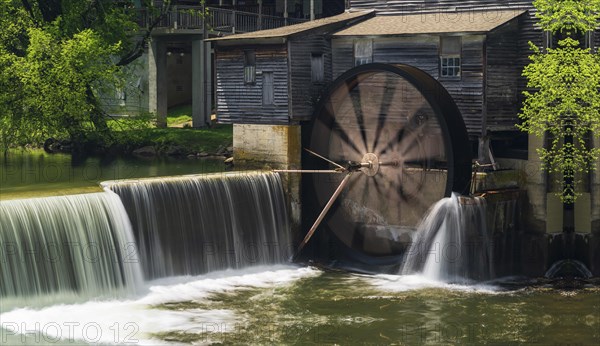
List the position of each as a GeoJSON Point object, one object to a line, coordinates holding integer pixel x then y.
{"type": "Point", "coordinates": [203, 154]}
{"type": "Point", "coordinates": [51, 145]}
{"type": "Point", "coordinates": [221, 150]}
{"type": "Point", "coordinates": [177, 151]}
{"type": "Point", "coordinates": [145, 151]}
{"type": "Point", "coordinates": [230, 148]}
{"type": "Point", "coordinates": [229, 161]}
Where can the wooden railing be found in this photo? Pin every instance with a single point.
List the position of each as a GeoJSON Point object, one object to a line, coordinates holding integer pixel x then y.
{"type": "Point", "coordinates": [217, 19]}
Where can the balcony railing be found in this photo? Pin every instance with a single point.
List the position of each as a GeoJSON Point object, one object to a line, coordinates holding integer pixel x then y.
{"type": "Point", "coordinates": [217, 19]}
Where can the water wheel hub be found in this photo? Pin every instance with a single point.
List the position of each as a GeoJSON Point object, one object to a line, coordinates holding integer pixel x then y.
{"type": "Point", "coordinates": [370, 164]}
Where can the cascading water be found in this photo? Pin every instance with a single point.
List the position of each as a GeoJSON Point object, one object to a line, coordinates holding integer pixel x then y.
{"type": "Point", "coordinates": [452, 243]}
{"type": "Point", "coordinates": [80, 245]}
{"type": "Point", "coordinates": [195, 224]}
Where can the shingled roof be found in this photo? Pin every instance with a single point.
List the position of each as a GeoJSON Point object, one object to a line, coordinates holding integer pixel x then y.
{"type": "Point", "coordinates": [432, 23]}
{"type": "Point", "coordinates": [298, 29]}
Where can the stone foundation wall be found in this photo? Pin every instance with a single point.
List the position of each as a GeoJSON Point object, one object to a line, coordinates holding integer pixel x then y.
{"type": "Point", "coordinates": [272, 147]}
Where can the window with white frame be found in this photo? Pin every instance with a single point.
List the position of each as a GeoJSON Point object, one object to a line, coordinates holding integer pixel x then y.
{"type": "Point", "coordinates": [363, 52]}
{"type": "Point", "coordinates": [450, 56]}
{"type": "Point", "coordinates": [249, 67]}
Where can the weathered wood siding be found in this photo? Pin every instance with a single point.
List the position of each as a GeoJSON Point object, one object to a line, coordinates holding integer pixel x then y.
{"type": "Point", "coordinates": [423, 52]}
{"type": "Point", "coordinates": [527, 31]}
{"type": "Point", "coordinates": [468, 90]}
{"type": "Point", "coordinates": [243, 104]}
{"type": "Point", "coordinates": [304, 92]}
{"type": "Point", "coordinates": [342, 51]}
{"type": "Point", "coordinates": [503, 73]}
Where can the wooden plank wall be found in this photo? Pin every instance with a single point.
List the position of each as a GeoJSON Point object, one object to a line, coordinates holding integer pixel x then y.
{"type": "Point", "coordinates": [342, 51]}
{"type": "Point", "coordinates": [527, 31]}
{"type": "Point", "coordinates": [242, 104]}
{"type": "Point", "coordinates": [468, 90]}
{"type": "Point", "coordinates": [305, 93]}
{"type": "Point", "coordinates": [423, 52]}
{"type": "Point", "coordinates": [503, 96]}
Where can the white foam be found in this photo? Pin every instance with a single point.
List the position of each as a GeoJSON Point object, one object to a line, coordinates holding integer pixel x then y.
{"type": "Point", "coordinates": [111, 322]}
{"type": "Point", "coordinates": [196, 288]}
{"type": "Point", "coordinates": [401, 283]}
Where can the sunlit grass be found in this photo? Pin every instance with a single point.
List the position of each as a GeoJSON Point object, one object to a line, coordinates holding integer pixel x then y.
{"type": "Point", "coordinates": [141, 131]}
{"type": "Point", "coordinates": [179, 115]}
{"type": "Point", "coordinates": [207, 140]}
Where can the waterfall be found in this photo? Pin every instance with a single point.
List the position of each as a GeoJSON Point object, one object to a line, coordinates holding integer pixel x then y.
{"type": "Point", "coordinates": [452, 243]}
{"type": "Point", "coordinates": [194, 224]}
{"type": "Point", "coordinates": [80, 245]}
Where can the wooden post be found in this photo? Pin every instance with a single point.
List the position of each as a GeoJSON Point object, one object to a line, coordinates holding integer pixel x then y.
{"type": "Point", "coordinates": [233, 17]}
{"type": "Point", "coordinates": [312, 9]}
{"type": "Point", "coordinates": [198, 84]}
{"type": "Point", "coordinates": [260, 9]}
{"type": "Point", "coordinates": [233, 22]}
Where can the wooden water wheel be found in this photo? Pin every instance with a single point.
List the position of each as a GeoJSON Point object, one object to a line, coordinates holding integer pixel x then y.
{"type": "Point", "coordinates": [400, 135]}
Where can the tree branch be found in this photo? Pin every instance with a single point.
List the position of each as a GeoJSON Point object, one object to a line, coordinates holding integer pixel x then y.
{"type": "Point", "coordinates": [29, 9]}
{"type": "Point", "coordinates": [50, 9]}
{"type": "Point", "coordinates": [138, 50]}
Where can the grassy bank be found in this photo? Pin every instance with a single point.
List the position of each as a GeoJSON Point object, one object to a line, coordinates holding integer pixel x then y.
{"type": "Point", "coordinates": [193, 140]}
{"type": "Point", "coordinates": [138, 135]}
{"type": "Point", "coordinates": [179, 116]}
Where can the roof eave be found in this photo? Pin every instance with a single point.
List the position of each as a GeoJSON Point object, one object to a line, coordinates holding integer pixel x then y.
{"type": "Point", "coordinates": [330, 27]}
{"type": "Point", "coordinates": [455, 33]}
{"type": "Point", "coordinates": [340, 33]}
{"type": "Point", "coordinates": [250, 41]}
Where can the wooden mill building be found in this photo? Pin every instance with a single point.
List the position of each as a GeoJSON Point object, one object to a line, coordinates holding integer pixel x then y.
{"type": "Point", "coordinates": [268, 82]}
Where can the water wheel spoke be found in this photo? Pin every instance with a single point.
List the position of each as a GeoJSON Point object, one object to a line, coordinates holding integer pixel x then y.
{"type": "Point", "coordinates": [405, 138]}
{"type": "Point", "coordinates": [357, 107]}
{"type": "Point", "coordinates": [389, 91]}
{"type": "Point", "coordinates": [338, 129]}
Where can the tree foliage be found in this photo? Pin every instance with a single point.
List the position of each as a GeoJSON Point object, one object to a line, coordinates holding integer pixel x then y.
{"type": "Point", "coordinates": [568, 15]}
{"type": "Point", "coordinates": [566, 102]}
{"type": "Point", "coordinates": [57, 57]}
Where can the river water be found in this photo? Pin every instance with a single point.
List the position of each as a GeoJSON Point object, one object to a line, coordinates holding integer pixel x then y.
{"type": "Point", "coordinates": [35, 173]}
{"type": "Point", "coordinates": [286, 304]}
{"type": "Point", "coordinates": [279, 303]}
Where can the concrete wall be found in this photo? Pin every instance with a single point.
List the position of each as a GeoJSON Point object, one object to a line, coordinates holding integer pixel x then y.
{"type": "Point", "coordinates": [272, 147]}
{"type": "Point", "coordinates": [179, 79]}
{"type": "Point", "coordinates": [595, 194]}
{"type": "Point", "coordinates": [157, 75]}
{"type": "Point", "coordinates": [536, 188]}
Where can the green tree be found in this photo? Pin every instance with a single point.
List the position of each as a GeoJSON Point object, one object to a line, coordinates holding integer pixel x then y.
{"type": "Point", "coordinates": [58, 56]}
{"type": "Point", "coordinates": [565, 105]}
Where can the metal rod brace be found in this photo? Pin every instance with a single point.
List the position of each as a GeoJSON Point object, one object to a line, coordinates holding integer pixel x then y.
{"type": "Point", "coordinates": [321, 216]}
